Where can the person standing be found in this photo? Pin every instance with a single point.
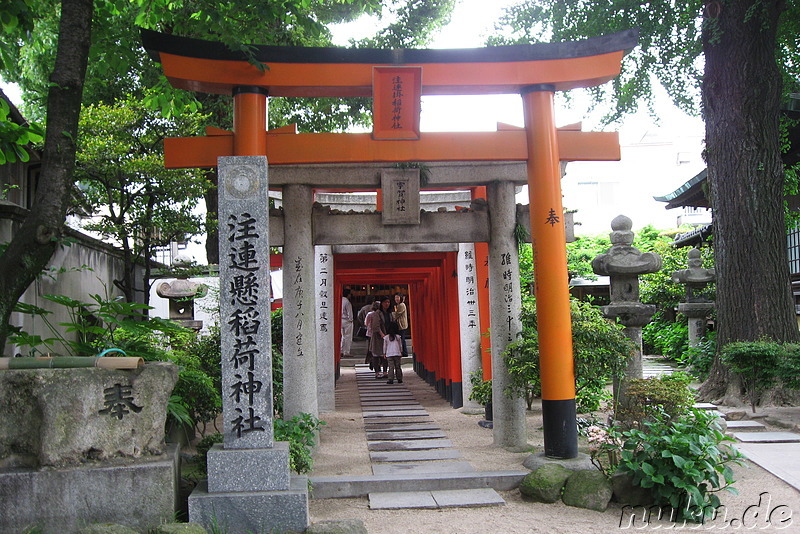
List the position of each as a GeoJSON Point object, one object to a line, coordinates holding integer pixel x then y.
{"type": "Point", "coordinates": [393, 348]}
{"type": "Point", "coordinates": [376, 333]}
{"type": "Point", "coordinates": [347, 324]}
{"type": "Point", "coordinates": [400, 313]}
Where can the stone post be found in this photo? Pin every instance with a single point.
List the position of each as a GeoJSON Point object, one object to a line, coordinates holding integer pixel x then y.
{"type": "Point", "coordinates": [623, 263]}
{"type": "Point", "coordinates": [323, 286]}
{"type": "Point", "coordinates": [470, 323]}
{"type": "Point", "coordinates": [249, 487]}
{"type": "Point", "coordinates": [506, 304]}
{"type": "Point", "coordinates": [299, 314]}
{"type": "Point", "coordinates": [697, 307]}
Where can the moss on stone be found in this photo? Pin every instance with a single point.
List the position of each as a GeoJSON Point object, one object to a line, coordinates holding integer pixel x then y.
{"type": "Point", "coordinates": [545, 483]}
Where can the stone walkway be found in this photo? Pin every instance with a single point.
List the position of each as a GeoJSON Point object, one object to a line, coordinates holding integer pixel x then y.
{"type": "Point", "coordinates": [402, 440]}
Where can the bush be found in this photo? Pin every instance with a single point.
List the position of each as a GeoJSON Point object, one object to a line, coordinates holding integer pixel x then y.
{"type": "Point", "coordinates": [667, 338]}
{"type": "Point", "coordinates": [481, 389]}
{"type": "Point", "coordinates": [682, 460]}
{"type": "Point", "coordinates": [756, 362]}
{"type": "Point", "coordinates": [698, 359]}
{"type": "Point", "coordinates": [667, 394]}
{"type": "Point", "coordinates": [300, 431]}
{"type": "Point", "coordinates": [599, 351]}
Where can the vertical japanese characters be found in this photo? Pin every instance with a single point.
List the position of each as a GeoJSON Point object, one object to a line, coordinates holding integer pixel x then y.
{"type": "Point", "coordinates": [245, 304]}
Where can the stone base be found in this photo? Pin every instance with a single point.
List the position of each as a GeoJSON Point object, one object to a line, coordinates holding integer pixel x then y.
{"type": "Point", "coordinates": [238, 470]}
{"type": "Point", "coordinates": [139, 493]}
{"type": "Point", "coordinates": [246, 512]}
{"type": "Point", "coordinates": [582, 462]}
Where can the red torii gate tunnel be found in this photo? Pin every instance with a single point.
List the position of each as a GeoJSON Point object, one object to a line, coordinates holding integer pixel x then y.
{"type": "Point", "coordinates": [396, 79]}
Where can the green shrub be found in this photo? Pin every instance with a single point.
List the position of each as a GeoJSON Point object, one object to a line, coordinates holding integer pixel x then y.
{"type": "Point", "coordinates": [684, 461]}
{"type": "Point", "coordinates": [698, 359]}
{"type": "Point", "coordinates": [599, 351]}
{"type": "Point", "coordinates": [667, 338]}
{"type": "Point", "coordinates": [667, 394]}
{"type": "Point", "coordinates": [300, 431]}
{"type": "Point", "coordinates": [481, 389]}
{"type": "Point", "coordinates": [756, 362]}
{"type": "Point", "coordinates": [789, 367]}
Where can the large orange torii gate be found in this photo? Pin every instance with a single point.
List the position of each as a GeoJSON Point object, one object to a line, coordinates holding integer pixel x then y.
{"type": "Point", "coordinates": [396, 79]}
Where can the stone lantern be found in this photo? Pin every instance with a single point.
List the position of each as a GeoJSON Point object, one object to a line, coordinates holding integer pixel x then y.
{"type": "Point", "coordinates": [697, 307]}
{"type": "Point", "coordinates": [181, 295]}
{"type": "Point", "coordinates": [623, 263]}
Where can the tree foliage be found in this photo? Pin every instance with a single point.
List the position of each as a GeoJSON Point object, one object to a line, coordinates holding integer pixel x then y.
{"type": "Point", "coordinates": [599, 351]}
{"type": "Point", "coordinates": [133, 200]}
{"type": "Point", "coordinates": [46, 51]}
{"type": "Point", "coordinates": [735, 61]}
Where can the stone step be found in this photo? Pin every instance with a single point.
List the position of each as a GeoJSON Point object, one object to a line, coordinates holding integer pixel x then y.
{"type": "Point", "coordinates": [704, 406]}
{"type": "Point", "coordinates": [443, 466]}
{"type": "Point", "coordinates": [404, 435]}
{"type": "Point", "coordinates": [746, 424]}
{"type": "Point", "coordinates": [767, 437]}
{"type": "Point", "coordinates": [409, 445]}
{"type": "Point", "coordinates": [434, 499]}
{"type": "Point", "coordinates": [414, 456]}
{"type": "Point", "coordinates": [401, 427]}
{"type": "Point", "coordinates": [394, 413]}
{"type": "Point", "coordinates": [362, 485]}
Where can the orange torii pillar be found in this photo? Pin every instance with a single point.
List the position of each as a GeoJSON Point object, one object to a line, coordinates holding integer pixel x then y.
{"type": "Point", "coordinates": [557, 368]}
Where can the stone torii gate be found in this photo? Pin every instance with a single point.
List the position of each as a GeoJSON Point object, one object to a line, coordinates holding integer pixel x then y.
{"type": "Point", "coordinates": [396, 79]}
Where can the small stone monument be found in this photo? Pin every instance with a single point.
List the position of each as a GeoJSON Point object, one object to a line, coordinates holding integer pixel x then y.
{"type": "Point", "coordinates": [249, 488]}
{"type": "Point", "coordinates": [181, 294]}
{"type": "Point", "coordinates": [697, 307]}
{"type": "Point", "coordinates": [623, 263]}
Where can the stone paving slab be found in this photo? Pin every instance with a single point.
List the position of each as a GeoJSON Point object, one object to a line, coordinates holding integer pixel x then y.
{"type": "Point", "coordinates": [415, 456]}
{"type": "Point", "coordinates": [394, 419]}
{"type": "Point", "coordinates": [401, 499]}
{"type": "Point", "coordinates": [746, 425]}
{"type": "Point", "coordinates": [407, 445]}
{"type": "Point", "coordinates": [467, 497]}
{"type": "Point", "coordinates": [434, 499]}
{"type": "Point", "coordinates": [704, 406]}
{"type": "Point", "coordinates": [395, 413]}
{"type": "Point", "coordinates": [388, 402]}
{"type": "Point", "coordinates": [420, 434]}
{"type": "Point", "coordinates": [382, 394]}
{"type": "Point", "coordinates": [423, 467]}
{"type": "Point", "coordinates": [767, 437]}
{"type": "Point", "coordinates": [400, 427]}
{"type": "Point", "coordinates": [773, 457]}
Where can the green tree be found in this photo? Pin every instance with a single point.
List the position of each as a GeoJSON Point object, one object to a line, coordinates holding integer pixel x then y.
{"type": "Point", "coordinates": [135, 202]}
{"type": "Point", "coordinates": [733, 60]}
{"type": "Point", "coordinates": [47, 51]}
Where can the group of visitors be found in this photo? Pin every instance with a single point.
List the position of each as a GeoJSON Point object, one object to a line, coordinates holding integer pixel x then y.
{"type": "Point", "coordinates": [385, 325]}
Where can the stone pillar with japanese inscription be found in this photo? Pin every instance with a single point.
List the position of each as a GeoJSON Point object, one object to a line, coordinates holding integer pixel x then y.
{"type": "Point", "coordinates": [249, 487]}
{"type": "Point", "coordinates": [326, 379]}
{"type": "Point", "coordinates": [470, 323]}
{"type": "Point", "coordinates": [299, 305]}
{"type": "Point", "coordinates": [506, 304]}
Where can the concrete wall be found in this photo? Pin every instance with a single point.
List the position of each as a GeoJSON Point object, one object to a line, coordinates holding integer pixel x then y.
{"type": "Point", "coordinates": [85, 267]}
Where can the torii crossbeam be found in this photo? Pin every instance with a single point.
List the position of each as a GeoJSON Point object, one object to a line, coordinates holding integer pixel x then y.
{"type": "Point", "coordinates": [396, 79]}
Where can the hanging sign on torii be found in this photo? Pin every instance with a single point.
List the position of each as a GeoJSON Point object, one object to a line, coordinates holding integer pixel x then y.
{"type": "Point", "coordinates": [535, 72]}
{"type": "Point", "coordinates": [210, 67]}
